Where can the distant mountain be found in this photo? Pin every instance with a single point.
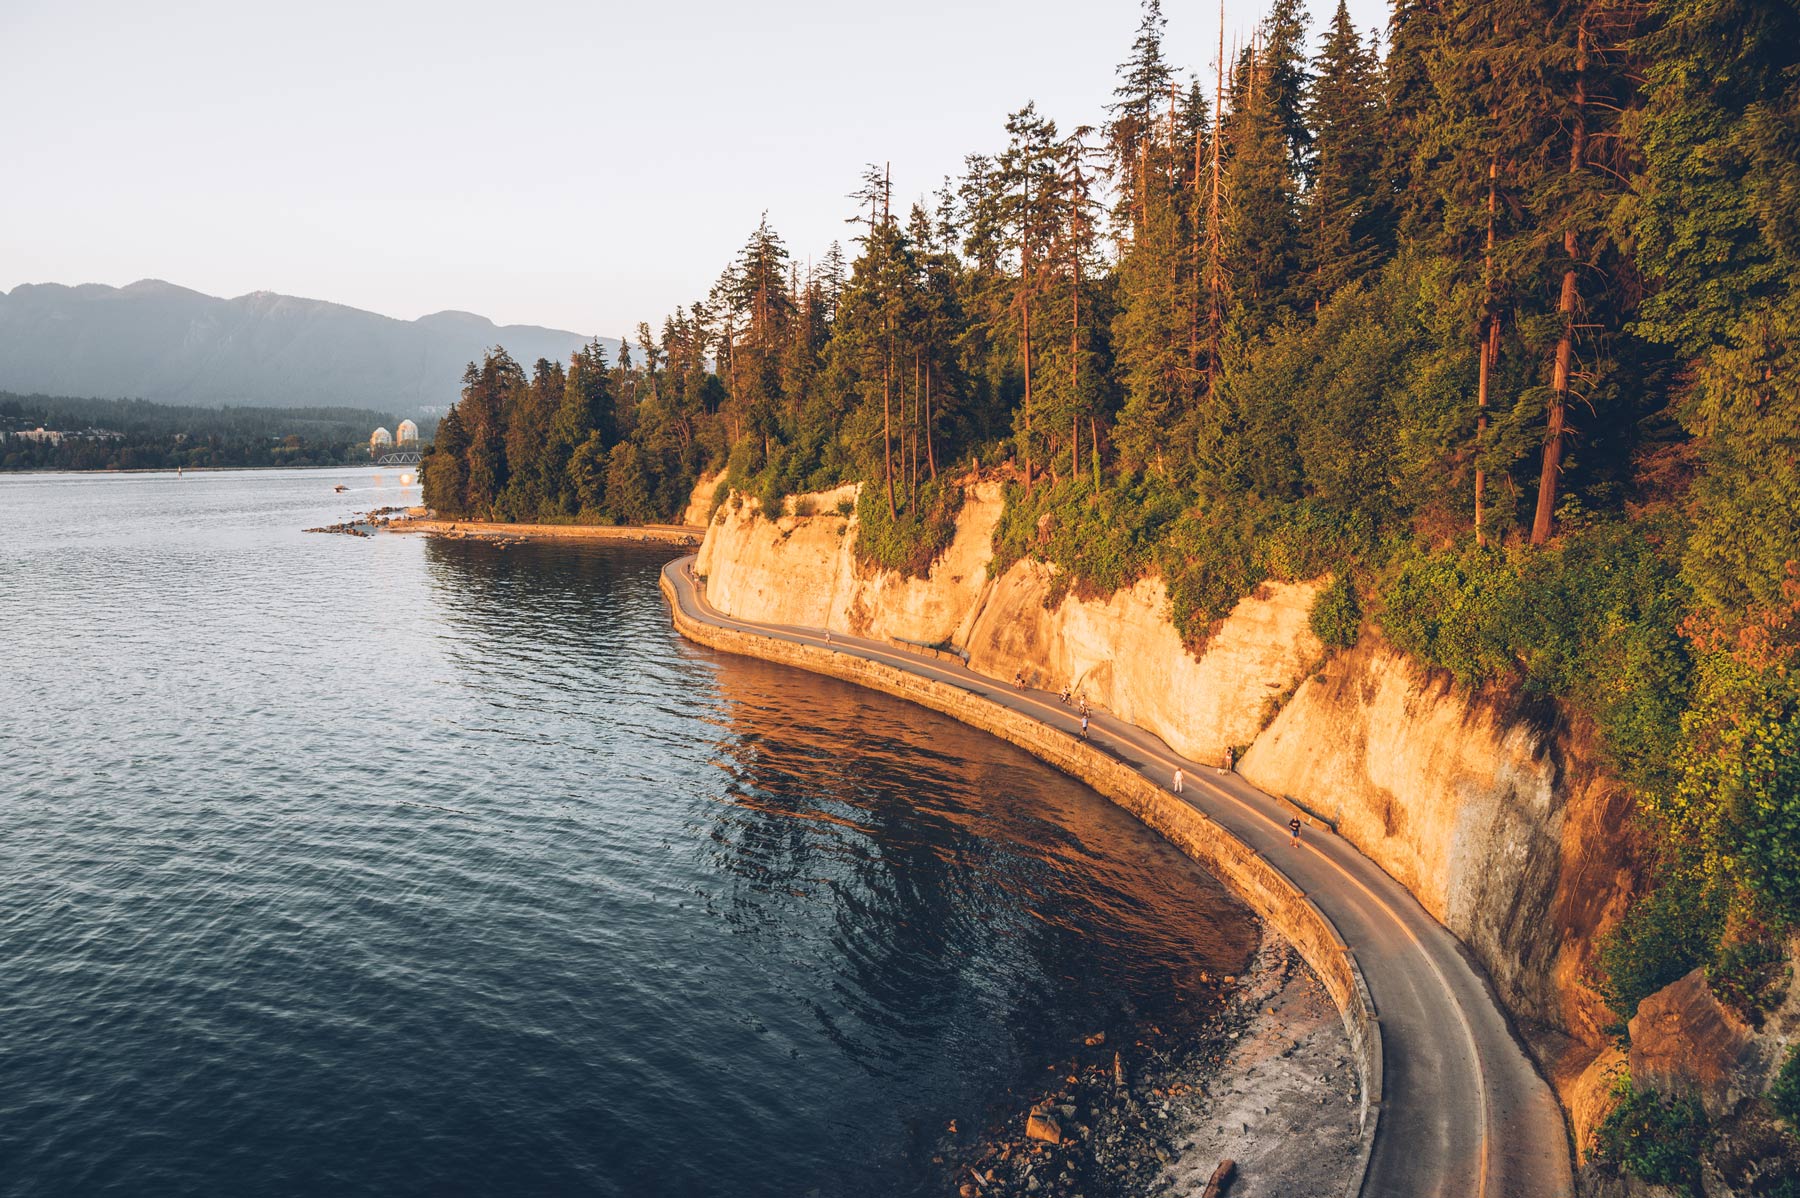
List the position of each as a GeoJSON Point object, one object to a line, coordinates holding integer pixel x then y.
{"type": "Point", "coordinates": [153, 340]}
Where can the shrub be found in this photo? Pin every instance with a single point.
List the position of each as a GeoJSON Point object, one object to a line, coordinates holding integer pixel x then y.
{"type": "Point", "coordinates": [915, 537]}
{"type": "Point", "coordinates": [1336, 616]}
{"type": "Point", "coordinates": [1665, 934]}
{"type": "Point", "coordinates": [1655, 1139]}
{"type": "Point", "coordinates": [1784, 1092]}
{"type": "Point", "coordinates": [1744, 976]}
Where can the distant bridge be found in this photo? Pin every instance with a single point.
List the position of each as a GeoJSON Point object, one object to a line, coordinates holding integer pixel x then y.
{"type": "Point", "coordinates": [408, 457]}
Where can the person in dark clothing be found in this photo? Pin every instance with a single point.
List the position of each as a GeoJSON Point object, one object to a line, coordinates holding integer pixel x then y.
{"type": "Point", "coordinates": [1294, 829]}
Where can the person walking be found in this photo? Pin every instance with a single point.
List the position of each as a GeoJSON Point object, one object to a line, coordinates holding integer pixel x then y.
{"type": "Point", "coordinates": [1294, 832]}
{"type": "Point", "coordinates": [1084, 723]}
{"type": "Point", "coordinates": [1019, 679]}
{"type": "Point", "coordinates": [1230, 758]}
{"type": "Point", "coordinates": [1177, 781]}
{"type": "Point", "coordinates": [828, 636]}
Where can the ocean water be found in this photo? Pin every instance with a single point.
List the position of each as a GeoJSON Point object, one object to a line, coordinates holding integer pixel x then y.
{"type": "Point", "coordinates": [405, 866]}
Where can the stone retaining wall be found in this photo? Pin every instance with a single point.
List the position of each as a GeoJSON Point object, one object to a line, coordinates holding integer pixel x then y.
{"type": "Point", "coordinates": [1261, 885]}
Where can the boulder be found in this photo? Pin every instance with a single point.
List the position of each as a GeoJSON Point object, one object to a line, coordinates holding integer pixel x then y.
{"type": "Point", "coordinates": [1042, 1125]}
{"type": "Point", "coordinates": [1685, 1041]}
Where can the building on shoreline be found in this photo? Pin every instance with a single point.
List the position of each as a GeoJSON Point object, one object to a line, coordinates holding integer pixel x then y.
{"type": "Point", "coordinates": [379, 440]}
{"type": "Point", "coordinates": [407, 433]}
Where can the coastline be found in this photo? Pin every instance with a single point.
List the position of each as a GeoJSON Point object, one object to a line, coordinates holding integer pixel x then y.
{"type": "Point", "coordinates": [668, 534]}
{"type": "Point", "coordinates": [1285, 909]}
{"type": "Point", "coordinates": [1164, 1112]}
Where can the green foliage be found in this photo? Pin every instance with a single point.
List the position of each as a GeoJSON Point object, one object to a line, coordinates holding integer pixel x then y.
{"type": "Point", "coordinates": [1667, 933]}
{"type": "Point", "coordinates": [1209, 556]}
{"type": "Point", "coordinates": [628, 497]}
{"type": "Point", "coordinates": [1745, 975]}
{"type": "Point", "coordinates": [1737, 797]}
{"type": "Point", "coordinates": [1336, 616]}
{"type": "Point", "coordinates": [1595, 619]}
{"type": "Point", "coordinates": [1655, 1139]}
{"type": "Point", "coordinates": [910, 542]}
{"type": "Point", "coordinates": [1784, 1091]}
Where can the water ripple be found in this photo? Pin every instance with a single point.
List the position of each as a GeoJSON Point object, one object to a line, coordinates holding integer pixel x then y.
{"type": "Point", "coordinates": [408, 867]}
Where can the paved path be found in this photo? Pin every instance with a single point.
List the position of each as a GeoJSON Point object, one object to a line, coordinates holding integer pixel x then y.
{"type": "Point", "coordinates": [1465, 1113]}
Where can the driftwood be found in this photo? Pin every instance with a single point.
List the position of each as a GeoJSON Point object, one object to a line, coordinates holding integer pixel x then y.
{"type": "Point", "coordinates": [1221, 1178]}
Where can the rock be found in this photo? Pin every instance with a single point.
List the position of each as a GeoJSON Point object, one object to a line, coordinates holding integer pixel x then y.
{"type": "Point", "coordinates": [1042, 1125]}
{"type": "Point", "coordinates": [1685, 1041]}
{"type": "Point", "coordinates": [1221, 1178]}
{"type": "Point", "coordinates": [1095, 1040]}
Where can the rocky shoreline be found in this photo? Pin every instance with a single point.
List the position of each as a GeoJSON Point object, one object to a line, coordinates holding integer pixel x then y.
{"type": "Point", "coordinates": [1221, 1112]}
{"type": "Point", "coordinates": [666, 534]}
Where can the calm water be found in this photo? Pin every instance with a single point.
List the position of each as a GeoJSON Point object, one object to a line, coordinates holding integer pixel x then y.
{"type": "Point", "coordinates": [394, 866]}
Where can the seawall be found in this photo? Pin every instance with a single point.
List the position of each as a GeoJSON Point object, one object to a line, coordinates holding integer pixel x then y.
{"type": "Point", "coordinates": [1263, 887]}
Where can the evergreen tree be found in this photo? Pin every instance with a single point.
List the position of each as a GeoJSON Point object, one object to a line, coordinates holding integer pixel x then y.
{"type": "Point", "coordinates": [1343, 239]}
{"type": "Point", "coordinates": [444, 470]}
{"type": "Point", "coordinates": [1142, 92]}
{"type": "Point", "coordinates": [488, 391]}
{"type": "Point", "coordinates": [1261, 227]}
{"type": "Point", "coordinates": [1285, 79]}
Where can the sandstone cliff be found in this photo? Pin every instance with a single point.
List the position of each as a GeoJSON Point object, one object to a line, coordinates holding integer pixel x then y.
{"type": "Point", "coordinates": [1506, 830]}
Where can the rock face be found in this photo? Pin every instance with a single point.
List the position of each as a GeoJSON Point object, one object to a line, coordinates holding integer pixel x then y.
{"type": "Point", "coordinates": [1126, 655]}
{"type": "Point", "coordinates": [801, 569]}
{"type": "Point", "coordinates": [700, 501]}
{"type": "Point", "coordinates": [1506, 829]}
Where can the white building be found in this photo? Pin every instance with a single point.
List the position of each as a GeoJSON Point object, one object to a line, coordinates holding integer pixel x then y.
{"type": "Point", "coordinates": [407, 433]}
{"type": "Point", "coordinates": [380, 439]}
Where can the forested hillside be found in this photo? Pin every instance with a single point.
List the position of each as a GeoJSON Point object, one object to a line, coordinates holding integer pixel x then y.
{"type": "Point", "coordinates": [1496, 324]}
{"type": "Point", "coordinates": [134, 434]}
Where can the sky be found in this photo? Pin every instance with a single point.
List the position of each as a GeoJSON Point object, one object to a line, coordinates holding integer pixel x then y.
{"type": "Point", "coordinates": [578, 165]}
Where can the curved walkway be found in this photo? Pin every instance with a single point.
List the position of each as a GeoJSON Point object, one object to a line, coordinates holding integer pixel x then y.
{"type": "Point", "coordinates": [1464, 1113]}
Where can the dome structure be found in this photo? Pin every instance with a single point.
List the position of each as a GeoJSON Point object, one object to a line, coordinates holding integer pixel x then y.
{"type": "Point", "coordinates": [407, 433]}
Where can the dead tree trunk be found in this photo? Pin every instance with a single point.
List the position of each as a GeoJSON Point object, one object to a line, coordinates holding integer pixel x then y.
{"type": "Point", "coordinates": [1565, 307]}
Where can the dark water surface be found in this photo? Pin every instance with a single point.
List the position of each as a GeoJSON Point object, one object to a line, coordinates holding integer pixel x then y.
{"type": "Point", "coordinates": [395, 866]}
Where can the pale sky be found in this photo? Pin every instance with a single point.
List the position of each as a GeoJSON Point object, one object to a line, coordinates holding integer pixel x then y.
{"type": "Point", "coordinates": [583, 166]}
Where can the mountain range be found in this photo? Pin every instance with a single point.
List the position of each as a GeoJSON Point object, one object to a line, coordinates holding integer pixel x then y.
{"type": "Point", "coordinates": [153, 340]}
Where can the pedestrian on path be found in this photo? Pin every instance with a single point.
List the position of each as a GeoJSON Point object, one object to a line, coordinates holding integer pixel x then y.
{"type": "Point", "coordinates": [1294, 829]}
{"type": "Point", "coordinates": [1084, 725]}
{"type": "Point", "coordinates": [1177, 781]}
{"type": "Point", "coordinates": [1230, 759]}
{"type": "Point", "coordinates": [828, 636]}
{"type": "Point", "coordinates": [1019, 679]}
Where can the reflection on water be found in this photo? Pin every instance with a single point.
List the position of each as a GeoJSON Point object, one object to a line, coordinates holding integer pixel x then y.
{"type": "Point", "coordinates": [398, 866]}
